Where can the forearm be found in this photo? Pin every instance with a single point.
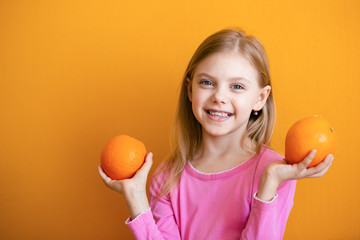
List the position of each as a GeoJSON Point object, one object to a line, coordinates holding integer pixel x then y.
{"type": "Point", "coordinates": [267, 220]}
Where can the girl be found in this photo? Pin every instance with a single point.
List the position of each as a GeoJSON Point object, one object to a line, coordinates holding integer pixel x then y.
{"type": "Point", "coordinates": [222, 181]}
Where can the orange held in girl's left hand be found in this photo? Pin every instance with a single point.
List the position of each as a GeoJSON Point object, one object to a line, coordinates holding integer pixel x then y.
{"type": "Point", "coordinates": [307, 134]}
{"type": "Point", "coordinates": [122, 157]}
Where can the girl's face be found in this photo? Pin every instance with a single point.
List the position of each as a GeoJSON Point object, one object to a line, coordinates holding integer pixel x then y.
{"type": "Point", "coordinates": [224, 91]}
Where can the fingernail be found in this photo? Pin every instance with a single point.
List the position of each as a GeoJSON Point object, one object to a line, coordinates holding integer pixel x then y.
{"type": "Point", "coordinates": [150, 154]}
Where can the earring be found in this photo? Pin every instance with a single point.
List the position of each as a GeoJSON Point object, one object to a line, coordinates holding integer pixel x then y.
{"type": "Point", "coordinates": [256, 113]}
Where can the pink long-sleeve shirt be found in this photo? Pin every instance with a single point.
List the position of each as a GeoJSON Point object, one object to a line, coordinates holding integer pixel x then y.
{"type": "Point", "coordinates": [218, 205]}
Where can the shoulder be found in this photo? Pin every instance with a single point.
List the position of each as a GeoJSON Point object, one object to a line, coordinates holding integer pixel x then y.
{"type": "Point", "coordinates": [158, 177]}
{"type": "Point", "coordinates": [158, 180]}
{"type": "Point", "coordinates": [268, 155]}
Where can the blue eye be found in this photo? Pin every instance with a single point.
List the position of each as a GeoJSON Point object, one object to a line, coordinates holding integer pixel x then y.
{"type": "Point", "coordinates": [206, 82]}
{"type": "Point", "coordinates": [237, 86]}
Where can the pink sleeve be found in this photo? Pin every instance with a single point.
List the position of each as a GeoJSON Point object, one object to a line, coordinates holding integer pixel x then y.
{"type": "Point", "coordinates": [267, 221]}
{"type": "Point", "coordinates": [158, 222]}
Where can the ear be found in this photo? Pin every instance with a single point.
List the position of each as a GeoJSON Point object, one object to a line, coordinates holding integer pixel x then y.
{"type": "Point", "coordinates": [264, 94]}
{"type": "Point", "coordinates": [189, 89]}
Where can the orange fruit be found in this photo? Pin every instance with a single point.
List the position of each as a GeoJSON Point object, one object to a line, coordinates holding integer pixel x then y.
{"type": "Point", "coordinates": [122, 156]}
{"type": "Point", "coordinates": [307, 134]}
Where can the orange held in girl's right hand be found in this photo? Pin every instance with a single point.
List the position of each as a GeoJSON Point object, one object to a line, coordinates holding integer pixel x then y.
{"type": "Point", "coordinates": [122, 156]}
{"type": "Point", "coordinates": [307, 134]}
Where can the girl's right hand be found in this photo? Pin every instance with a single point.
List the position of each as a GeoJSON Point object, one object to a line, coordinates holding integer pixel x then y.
{"type": "Point", "coordinates": [135, 184]}
{"type": "Point", "coordinates": [133, 189]}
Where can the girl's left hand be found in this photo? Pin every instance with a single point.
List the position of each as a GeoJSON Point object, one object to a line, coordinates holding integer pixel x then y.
{"type": "Point", "coordinates": [278, 172]}
{"type": "Point", "coordinates": [282, 171]}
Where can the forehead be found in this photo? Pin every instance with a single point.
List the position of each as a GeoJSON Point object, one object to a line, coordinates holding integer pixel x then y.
{"type": "Point", "coordinates": [227, 65]}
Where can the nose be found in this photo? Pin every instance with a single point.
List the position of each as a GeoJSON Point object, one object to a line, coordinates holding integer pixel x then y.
{"type": "Point", "coordinates": [220, 97]}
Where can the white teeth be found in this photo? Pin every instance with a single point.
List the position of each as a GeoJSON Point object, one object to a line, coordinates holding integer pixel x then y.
{"type": "Point", "coordinates": [219, 114]}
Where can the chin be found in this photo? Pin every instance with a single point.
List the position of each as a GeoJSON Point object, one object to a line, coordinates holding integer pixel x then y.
{"type": "Point", "coordinates": [216, 132]}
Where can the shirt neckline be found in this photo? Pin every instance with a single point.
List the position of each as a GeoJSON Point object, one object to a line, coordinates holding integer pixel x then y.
{"type": "Point", "coordinates": [226, 173]}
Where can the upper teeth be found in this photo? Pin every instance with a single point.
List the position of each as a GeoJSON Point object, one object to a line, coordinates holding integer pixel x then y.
{"type": "Point", "coordinates": [219, 114]}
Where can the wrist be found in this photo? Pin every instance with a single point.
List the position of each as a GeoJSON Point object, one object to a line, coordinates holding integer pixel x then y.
{"type": "Point", "coordinates": [270, 175]}
{"type": "Point", "coordinates": [267, 187]}
{"type": "Point", "coordinates": [265, 201]}
{"type": "Point", "coordinates": [137, 203]}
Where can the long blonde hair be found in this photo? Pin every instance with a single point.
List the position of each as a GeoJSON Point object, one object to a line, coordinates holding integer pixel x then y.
{"type": "Point", "coordinates": [187, 132]}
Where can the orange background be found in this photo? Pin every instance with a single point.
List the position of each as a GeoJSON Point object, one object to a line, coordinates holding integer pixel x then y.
{"type": "Point", "coordinates": [73, 74]}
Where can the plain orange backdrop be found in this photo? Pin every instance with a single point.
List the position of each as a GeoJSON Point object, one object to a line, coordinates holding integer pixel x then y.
{"type": "Point", "coordinates": [73, 74]}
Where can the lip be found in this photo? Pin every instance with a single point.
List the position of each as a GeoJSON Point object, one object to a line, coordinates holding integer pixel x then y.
{"type": "Point", "coordinates": [218, 118]}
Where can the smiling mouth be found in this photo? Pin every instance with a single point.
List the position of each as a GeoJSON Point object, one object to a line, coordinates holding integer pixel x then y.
{"type": "Point", "coordinates": [218, 114]}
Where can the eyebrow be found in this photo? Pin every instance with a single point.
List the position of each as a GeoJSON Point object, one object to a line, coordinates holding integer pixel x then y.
{"type": "Point", "coordinates": [233, 78]}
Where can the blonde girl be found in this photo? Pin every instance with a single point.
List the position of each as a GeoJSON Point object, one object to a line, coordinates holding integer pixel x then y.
{"type": "Point", "coordinates": [222, 181]}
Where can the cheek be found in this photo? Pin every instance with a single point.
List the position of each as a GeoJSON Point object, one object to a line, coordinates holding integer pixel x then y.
{"type": "Point", "coordinates": [198, 103]}
{"type": "Point", "coordinates": [244, 107]}
{"type": "Point", "coordinates": [196, 110]}
{"type": "Point", "coordinates": [196, 106]}
{"type": "Point", "coordinates": [198, 98]}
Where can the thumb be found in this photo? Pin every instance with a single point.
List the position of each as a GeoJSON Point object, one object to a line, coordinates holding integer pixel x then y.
{"type": "Point", "coordinates": [145, 169]}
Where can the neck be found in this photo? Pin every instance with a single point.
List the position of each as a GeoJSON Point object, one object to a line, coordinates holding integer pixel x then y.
{"type": "Point", "coordinates": [216, 154]}
{"type": "Point", "coordinates": [215, 146]}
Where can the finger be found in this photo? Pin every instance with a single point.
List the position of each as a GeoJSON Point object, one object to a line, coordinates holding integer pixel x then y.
{"type": "Point", "coordinates": [103, 175]}
{"type": "Point", "coordinates": [307, 160]}
{"type": "Point", "coordinates": [324, 163]}
{"type": "Point", "coordinates": [322, 173]}
{"type": "Point", "coordinates": [144, 170]}
{"type": "Point", "coordinates": [322, 168]}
